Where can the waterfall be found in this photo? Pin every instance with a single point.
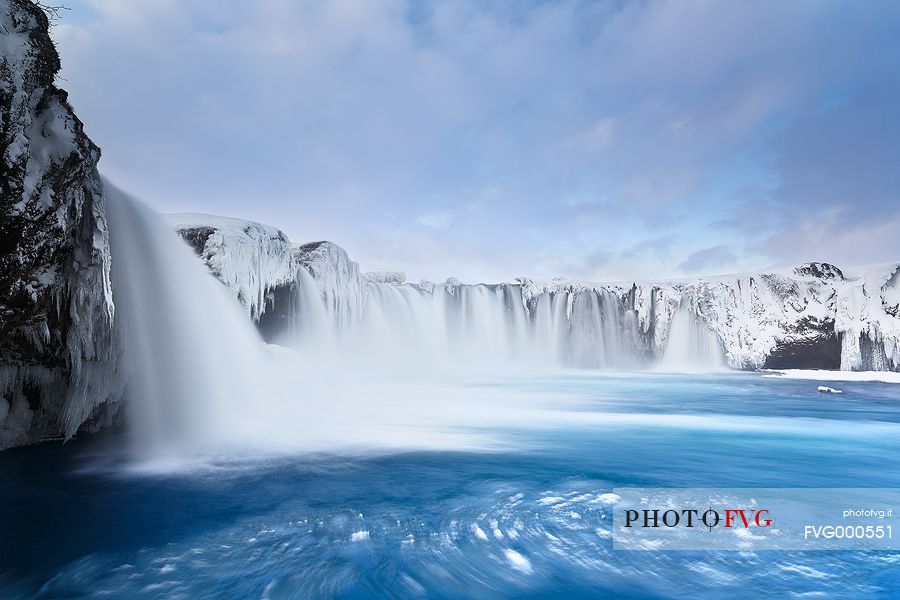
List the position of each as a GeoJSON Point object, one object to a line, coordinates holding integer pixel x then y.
{"type": "Point", "coordinates": [400, 327]}
{"type": "Point", "coordinates": [551, 326]}
{"type": "Point", "coordinates": [407, 327]}
{"type": "Point", "coordinates": [200, 382]}
{"type": "Point", "coordinates": [311, 327]}
{"type": "Point", "coordinates": [586, 328]}
{"type": "Point", "coordinates": [481, 327]}
{"type": "Point", "coordinates": [188, 350]}
{"type": "Point", "coordinates": [691, 346]}
{"type": "Point", "coordinates": [186, 344]}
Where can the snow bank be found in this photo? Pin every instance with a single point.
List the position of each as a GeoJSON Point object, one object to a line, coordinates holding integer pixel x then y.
{"type": "Point", "coordinates": [822, 375]}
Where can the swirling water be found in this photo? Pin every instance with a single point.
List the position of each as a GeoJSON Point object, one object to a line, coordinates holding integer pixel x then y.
{"type": "Point", "coordinates": [518, 516]}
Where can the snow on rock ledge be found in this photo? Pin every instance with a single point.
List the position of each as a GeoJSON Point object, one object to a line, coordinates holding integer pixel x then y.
{"type": "Point", "coordinates": [250, 258]}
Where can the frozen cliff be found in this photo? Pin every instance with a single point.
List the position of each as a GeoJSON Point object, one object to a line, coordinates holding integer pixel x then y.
{"type": "Point", "coordinates": [812, 316]}
{"type": "Point", "coordinates": [261, 267]}
{"type": "Point", "coordinates": [56, 308]}
{"type": "Point", "coordinates": [250, 258]}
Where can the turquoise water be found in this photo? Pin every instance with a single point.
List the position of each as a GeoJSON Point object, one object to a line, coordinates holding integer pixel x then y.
{"type": "Point", "coordinates": [519, 519]}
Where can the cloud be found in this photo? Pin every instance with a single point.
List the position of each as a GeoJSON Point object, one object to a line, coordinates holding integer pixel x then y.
{"type": "Point", "coordinates": [597, 136]}
{"type": "Point", "coordinates": [708, 258]}
{"type": "Point", "coordinates": [659, 248]}
{"type": "Point", "coordinates": [835, 237]}
{"type": "Point", "coordinates": [540, 131]}
{"type": "Point", "coordinates": [437, 220]}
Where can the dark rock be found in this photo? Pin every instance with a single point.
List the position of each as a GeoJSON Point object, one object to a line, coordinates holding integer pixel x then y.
{"type": "Point", "coordinates": [823, 352]}
{"type": "Point", "coordinates": [819, 271]}
{"type": "Point", "coordinates": [196, 237]}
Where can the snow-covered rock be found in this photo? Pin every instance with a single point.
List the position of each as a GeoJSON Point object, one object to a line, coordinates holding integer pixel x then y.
{"type": "Point", "coordinates": [250, 258]}
{"type": "Point", "coordinates": [57, 355]}
{"type": "Point", "coordinates": [262, 268]}
{"type": "Point", "coordinates": [390, 277]}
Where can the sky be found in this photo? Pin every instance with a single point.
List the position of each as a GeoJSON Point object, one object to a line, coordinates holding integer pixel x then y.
{"type": "Point", "coordinates": [490, 140]}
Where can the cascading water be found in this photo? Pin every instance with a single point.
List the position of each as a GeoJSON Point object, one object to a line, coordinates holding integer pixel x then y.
{"type": "Point", "coordinates": [483, 327]}
{"type": "Point", "coordinates": [200, 380]}
{"type": "Point", "coordinates": [551, 326]}
{"type": "Point", "coordinates": [189, 352]}
{"type": "Point", "coordinates": [401, 326]}
{"type": "Point", "coordinates": [410, 328]}
{"type": "Point", "coordinates": [603, 333]}
{"type": "Point", "coordinates": [311, 328]}
{"type": "Point", "coordinates": [692, 346]}
{"type": "Point", "coordinates": [490, 323]}
{"type": "Point", "coordinates": [201, 384]}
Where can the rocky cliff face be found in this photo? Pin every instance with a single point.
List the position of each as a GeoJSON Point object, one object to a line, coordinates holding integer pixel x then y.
{"type": "Point", "coordinates": [56, 308]}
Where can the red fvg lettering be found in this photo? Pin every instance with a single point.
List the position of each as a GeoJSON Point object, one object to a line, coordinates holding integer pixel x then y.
{"type": "Point", "coordinates": [755, 516]}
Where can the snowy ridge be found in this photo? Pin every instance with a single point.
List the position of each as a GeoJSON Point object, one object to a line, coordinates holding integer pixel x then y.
{"type": "Point", "coordinates": [250, 258]}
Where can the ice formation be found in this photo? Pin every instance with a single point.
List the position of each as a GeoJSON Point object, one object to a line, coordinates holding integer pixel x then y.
{"type": "Point", "coordinates": [812, 316]}
{"type": "Point", "coordinates": [250, 258]}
